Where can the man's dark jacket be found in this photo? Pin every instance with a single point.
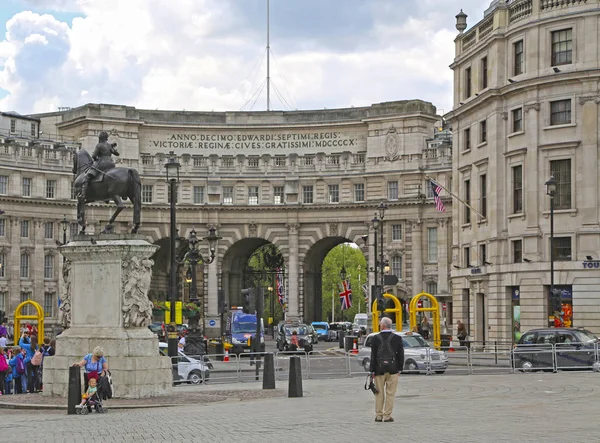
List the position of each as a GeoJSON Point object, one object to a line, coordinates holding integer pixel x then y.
{"type": "Point", "coordinates": [397, 347]}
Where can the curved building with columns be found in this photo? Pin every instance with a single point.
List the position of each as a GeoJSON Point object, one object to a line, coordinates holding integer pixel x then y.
{"type": "Point", "coordinates": [526, 97]}
{"type": "Point", "coordinates": [304, 181]}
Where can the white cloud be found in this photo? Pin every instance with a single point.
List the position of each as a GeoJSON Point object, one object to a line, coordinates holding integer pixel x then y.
{"type": "Point", "coordinates": [198, 54]}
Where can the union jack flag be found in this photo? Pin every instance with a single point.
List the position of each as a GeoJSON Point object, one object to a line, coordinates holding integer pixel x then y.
{"type": "Point", "coordinates": [280, 287]}
{"type": "Point", "coordinates": [436, 189]}
{"type": "Point", "coordinates": [346, 295]}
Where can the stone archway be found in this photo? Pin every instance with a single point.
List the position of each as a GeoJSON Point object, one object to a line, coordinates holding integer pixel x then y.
{"type": "Point", "coordinates": [313, 277]}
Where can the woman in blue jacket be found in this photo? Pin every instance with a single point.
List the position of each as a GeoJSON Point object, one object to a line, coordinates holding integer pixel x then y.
{"type": "Point", "coordinates": [30, 345]}
{"type": "Point", "coordinates": [20, 379]}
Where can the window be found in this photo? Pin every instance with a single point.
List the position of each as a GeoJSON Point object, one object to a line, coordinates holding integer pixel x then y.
{"type": "Point", "coordinates": [25, 229]}
{"type": "Point", "coordinates": [519, 59]}
{"type": "Point", "coordinates": [392, 190]}
{"type": "Point", "coordinates": [467, 144]}
{"type": "Point", "coordinates": [334, 193]}
{"type": "Point", "coordinates": [199, 161]}
{"type": "Point", "coordinates": [561, 170]}
{"type": "Point", "coordinates": [428, 190]}
{"type": "Point", "coordinates": [26, 187]}
{"type": "Point", "coordinates": [560, 112]}
{"type": "Point", "coordinates": [396, 232]}
{"type": "Point", "coordinates": [307, 160]}
{"type": "Point", "coordinates": [517, 176]}
{"type": "Point", "coordinates": [279, 161]}
{"type": "Point", "coordinates": [2, 227]}
{"type": "Point", "coordinates": [307, 194]}
{"type": "Point", "coordinates": [482, 255]}
{"type": "Point", "coordinates": [561, 248]}
{"type": "Point", "coordinates": [467, 256]}
{"type": "Point", "coordinates": [332, 160]}
{"type": "Point", "coordinates": [278, 195]}
{"type": "Point", "coordinates": [483, 194]}
{"type": "Point", "coordinates": [33, 128]}
{"type": "Point", "coordinates": [3, 184]}
{"type": "Point", "coordinates": [431, 287]}
{"type": "Point", "coordinates": [13, 125]}
{"type": "Point", "coordinates": [467, 201]}
{"type": "Point", "coordinates": [517, 251]}
{"type": "Point", "coordinates": [198, 195]}
{"type": "Point", "coordinates": [73, 193]}
{"type": "Point", "coordinates": [3, 299]}
{"type": "Point", "coordinates": [432, 245]}
{"type": "Point", "coordinates": [48, 266]}
{"type": "Point", "coordinates": [227, 162]}
{"type": "Point", "coordinates": [252, 195]}
{"type": "Point", "coordinates": [2, 265]}
{"type": "Point", "coordinates": [562, 47]}
{"type": "Point", "coordinates": [24, 297]}
{"type": "Point", "coordinates": [50, 188]}
{"type": "Point", "coordinates": [227, 195]}
{"type": "Point", "coordinates": [147, 191]}
{"type": "Point", "coordinates": [49, 230]}
{"type": "Point", "coordinates": [484, 73]}
{"type": "Point", "coordinates": [73, 230]}
{"type": "Point", "coordinates": [517, 120]}
{"type": "Point", "coordinates": [24, 266]}
{"type": "Point", "coordinates": [397, 266]}
{"type": "Point", "coordinates": [253, 162]}
{"type": "Point", "coordinates": [467, 82]}
{"type": "Point", "coordinates": [358, 158]}
{"type": "Point", "coordinates": [483, 131]}
{"type": "Point", "coordinates": [359, 192]}
{"type": "Point", "coordinates": [49, 304]}
{"type": "Point", "coordinates": [147, 159]}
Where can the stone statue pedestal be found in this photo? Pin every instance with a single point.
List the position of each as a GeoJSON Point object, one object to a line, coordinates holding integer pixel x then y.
{"type": "Point", "coordinates": [102, 285]}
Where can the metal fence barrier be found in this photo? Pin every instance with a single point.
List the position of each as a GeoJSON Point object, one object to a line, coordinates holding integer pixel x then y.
{"type": "Point", "coordinates": [328, 366]}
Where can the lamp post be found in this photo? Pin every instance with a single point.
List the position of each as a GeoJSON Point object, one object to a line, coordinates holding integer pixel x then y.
{"type": "Point", "coordinates": [382, 208]}
{"type": "Point", "coordinates": [375, 288]}
{"type": "Point", "coordinates": [64, 224]}
{"type": "Point", "coordinates": [554, 296]}
{"type": "Point", "coordinates": [172, 169]}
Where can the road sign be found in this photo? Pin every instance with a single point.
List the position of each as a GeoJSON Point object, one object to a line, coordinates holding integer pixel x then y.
{"type": "Point", "coordinates": [212, 323]}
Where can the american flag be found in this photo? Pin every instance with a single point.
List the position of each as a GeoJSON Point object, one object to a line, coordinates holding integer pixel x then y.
{"type": "Point", "coordinates": [279, 287]}
{"type": "Point", "coordinates": [436, 189]}
{"type": "Point", "coordinates": [346, 295]}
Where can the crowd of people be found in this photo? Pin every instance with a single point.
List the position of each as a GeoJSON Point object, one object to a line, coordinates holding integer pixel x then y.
{"type": "Point", "coordinates": [21, 364]}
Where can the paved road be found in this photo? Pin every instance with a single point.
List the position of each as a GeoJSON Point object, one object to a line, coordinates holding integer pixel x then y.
{"type": "Point", "coordinates": [538, 407]}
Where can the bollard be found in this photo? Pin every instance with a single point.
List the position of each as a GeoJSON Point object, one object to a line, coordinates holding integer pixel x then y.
{"type": "Point", "coordinates": [269, 372]}
{"type": "Point", "coordinates": [341, 336]}
{"type": "Point", "coordinates": [74, 393]}
{"type": "Point", "coordinates": [295, 383]}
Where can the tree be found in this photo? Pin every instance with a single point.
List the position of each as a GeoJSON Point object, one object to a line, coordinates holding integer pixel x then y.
{"type": "Point", "coordinates": [355, 263]}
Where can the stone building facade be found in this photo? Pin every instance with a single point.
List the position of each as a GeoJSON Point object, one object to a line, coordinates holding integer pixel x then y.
{"type": "Point", "coordinates": [526, 103]}
{"type": "Point", "coordinates": [304, 181]}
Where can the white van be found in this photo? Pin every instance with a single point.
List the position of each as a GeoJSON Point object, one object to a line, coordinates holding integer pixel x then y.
{"type": "Point", "coordinates": [360, 320]}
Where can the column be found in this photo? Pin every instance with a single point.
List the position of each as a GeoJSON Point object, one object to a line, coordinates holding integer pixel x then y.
{"type": "Point", "coordinates": [417, 256]}
{"type": "Point", "coordinates": [371, 262]}
{"type": "Point", "coordinates": [443, 256]}
{"type": "Point", "coordinates": [36, 265]}
{"type": "Point", "coordinates": [292, 310]}
{"type": "Point", "coordinates": [14, 263]}
{"type": "Point", "coordinates": [213, 287]}
{"type": "Point", "coordinates": [589, 145]}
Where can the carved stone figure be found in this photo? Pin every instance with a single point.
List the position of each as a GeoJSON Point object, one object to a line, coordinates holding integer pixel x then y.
{"type": "Point", "coordinates": [64, 315]}
{"type": "Point", "coordinates": [137, 309]}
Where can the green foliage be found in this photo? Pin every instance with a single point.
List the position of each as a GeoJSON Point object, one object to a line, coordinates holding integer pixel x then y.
{"type": "Point", "coordinates": [355, 263]}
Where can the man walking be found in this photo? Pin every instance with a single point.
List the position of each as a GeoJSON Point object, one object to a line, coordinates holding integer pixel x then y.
{"type": "Point", "coordinates": [387, 361]}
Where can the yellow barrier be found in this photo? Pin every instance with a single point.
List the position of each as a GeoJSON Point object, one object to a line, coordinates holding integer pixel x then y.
{"type": "Point", "coordinates": [397, 309]}
{"type": "Point", "coordinates": [435, 310]}
{"type": "Point", "coordinates": [39, 317]}
{"type": "Point", "coordinates": [178, 314]}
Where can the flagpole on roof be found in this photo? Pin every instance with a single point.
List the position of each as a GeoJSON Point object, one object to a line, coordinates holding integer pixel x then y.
{"type": "Point", "coordinates": [456, 197]}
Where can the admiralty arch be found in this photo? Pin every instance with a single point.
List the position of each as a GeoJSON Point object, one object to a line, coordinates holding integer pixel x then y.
{"type": "Point", "coordinates": [304, 181]}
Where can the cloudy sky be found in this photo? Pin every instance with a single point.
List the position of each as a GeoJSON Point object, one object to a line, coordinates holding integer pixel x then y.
{"type": "Point", "coordinates": [210, 54]}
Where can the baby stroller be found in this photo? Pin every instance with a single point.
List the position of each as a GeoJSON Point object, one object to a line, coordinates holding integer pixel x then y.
{"type": "Point", "coordinates": [94, 402]}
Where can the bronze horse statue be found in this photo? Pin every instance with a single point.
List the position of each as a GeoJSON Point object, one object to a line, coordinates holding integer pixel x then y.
{"type": "Point", "coordinates": [116, 184]}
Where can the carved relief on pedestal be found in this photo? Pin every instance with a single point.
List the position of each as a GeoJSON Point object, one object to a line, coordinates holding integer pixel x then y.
{"type": "Point", "coordinates": [64, 315]}
{"type": "Point", "coordinates": [392, 144]}
{"type": "Point", "coordinates": [135, 282]}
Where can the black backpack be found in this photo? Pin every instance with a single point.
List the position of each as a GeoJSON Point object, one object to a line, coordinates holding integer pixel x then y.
{"type": "Point", "coordinates": [386, 357]}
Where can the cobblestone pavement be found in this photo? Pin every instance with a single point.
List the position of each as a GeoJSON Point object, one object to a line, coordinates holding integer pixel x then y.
{"type": "Point", "coordinates": [538, 407]}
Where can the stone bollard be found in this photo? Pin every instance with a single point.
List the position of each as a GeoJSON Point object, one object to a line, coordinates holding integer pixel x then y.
{"type": "Point", "coordinates": [295, 382]}
{"type": "Point", "coordinates": [74, 394]}
{"type": "Point", "coordinates": [269, 372]}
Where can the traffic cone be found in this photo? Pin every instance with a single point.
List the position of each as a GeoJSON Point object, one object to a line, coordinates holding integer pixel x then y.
{"type": "Point", "coordinates": [354, 347]}
{"type": "Point", "coordinates": [226, 356]}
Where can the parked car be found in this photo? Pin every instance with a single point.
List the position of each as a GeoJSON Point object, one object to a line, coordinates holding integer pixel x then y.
{"type": "Point", "coordinates": [417, 353]}
{"type": "Point", "coordinates": [574, 348]}
{"type": "Point", "coordinates": [284, 336]}
{"type": "Point", "coordinates": [336, 327]}
{"type": "Point", "coordinates": [190, 370]}
{"type": "Point", "coordinates": [322, 329]}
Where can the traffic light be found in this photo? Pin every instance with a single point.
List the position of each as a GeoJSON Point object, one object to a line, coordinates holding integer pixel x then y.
{"type": "Point", "coordinates": [248, 301]}
{"type": "Point", "coordinates": [555, 302]}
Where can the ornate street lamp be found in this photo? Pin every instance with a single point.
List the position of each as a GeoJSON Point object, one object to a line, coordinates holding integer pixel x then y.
{"type": "Point", "coordinates": [172, 169]}
{"type": "Point", "coordinates": [343, 273]}
{"type": "Point", "coordinates": [554, 294]}
{"type": "Point", "coordinates": [65, 225]}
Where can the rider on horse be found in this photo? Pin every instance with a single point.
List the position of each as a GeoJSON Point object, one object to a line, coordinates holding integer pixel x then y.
{"type": "Point", "coordinates": [102, 157]}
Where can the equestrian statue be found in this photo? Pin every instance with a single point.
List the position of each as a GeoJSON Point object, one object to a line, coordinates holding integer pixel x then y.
{"type": "Point", "coordinates": [98, 179]}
